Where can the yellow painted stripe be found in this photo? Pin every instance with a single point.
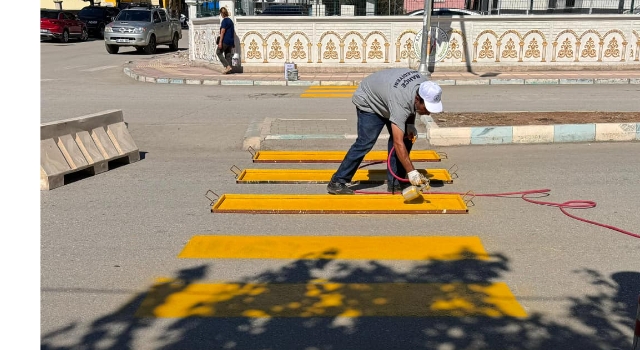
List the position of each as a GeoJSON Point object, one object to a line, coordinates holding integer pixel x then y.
{"type": "Point", "coordinates": [331, 204]}
{"type": "Point", "coordinates": [335, 156]}
{"type": "Point", "coordinates": [177, 299]}
{"type": "Point", "coordinates": [329, 89]}
{"type": "Point", "coordinates": [284, 176]}
{"type": "Point", "coordinates": [332, 87]}
{"type": "Point", "coordinates": [336, 91]}
{"type": "Point", "coordinates": [334, 247]}
{"type": "Point", "coordinates": [325, 95]}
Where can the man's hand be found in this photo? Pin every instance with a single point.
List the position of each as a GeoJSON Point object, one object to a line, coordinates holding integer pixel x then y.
{"type": "Point", "coordinates": [416, 178]}
{"type": "Point", "coordinates": [412, 132]}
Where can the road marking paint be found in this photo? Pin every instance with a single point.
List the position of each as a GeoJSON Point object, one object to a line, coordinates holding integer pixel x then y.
{"type": "Point", "coordinates": [177, 299]}
{"type": "Point", "coordinates": [97, 68]}
{"type": "Point", "coordinates": [297, 176]}
{"type": "Point", "coordinates": [427, 203]}
{"type": "Point", "coordinates": [334, 247]}
{"type": "Point", "coordinates": [332, 87]}
{"type": "Point", "coordinates": [325, 95]}
{"type": "Point", "coordinates": [306, 120]}
{"type": "Point", "coordinates": [267, 156]}
{"type": "Point", "coordinates": [332, 91]}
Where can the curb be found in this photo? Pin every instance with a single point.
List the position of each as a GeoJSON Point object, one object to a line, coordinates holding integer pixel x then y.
{"type": "Point", "coordinates": [525, 134]}
{"type": "Point", "coordinates": [258, 131]}
{"type": "Point", "coordinates": [443, 82]}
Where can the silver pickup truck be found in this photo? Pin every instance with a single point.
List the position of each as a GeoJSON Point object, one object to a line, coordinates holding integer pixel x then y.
{"type": "Point", "coordinates": [143, 28]}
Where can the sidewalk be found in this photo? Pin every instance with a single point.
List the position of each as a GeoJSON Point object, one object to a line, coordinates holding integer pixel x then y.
{"type": "Point", "coordinates": [170, 70]}
{"type": "Point", "coordinates": [265, 134]}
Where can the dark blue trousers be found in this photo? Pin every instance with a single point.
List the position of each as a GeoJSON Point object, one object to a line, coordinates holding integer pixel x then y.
{"type": "Point", "coordinates": [369, 128]}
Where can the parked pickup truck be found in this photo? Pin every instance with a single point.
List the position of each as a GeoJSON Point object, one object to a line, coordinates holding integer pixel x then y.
{"type": "Point", "coordinates": [143, 28]}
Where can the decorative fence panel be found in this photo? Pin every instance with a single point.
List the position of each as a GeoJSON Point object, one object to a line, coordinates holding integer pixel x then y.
{"type": "Point", "coordinates": [364, 44]}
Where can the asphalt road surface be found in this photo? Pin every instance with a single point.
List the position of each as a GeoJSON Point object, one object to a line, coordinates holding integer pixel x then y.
{"type": "Point", "coordinates": [112, 278]}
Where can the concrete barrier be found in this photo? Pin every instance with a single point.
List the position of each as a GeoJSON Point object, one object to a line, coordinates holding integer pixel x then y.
{"type": "Point", "coordinates": [636, 331]}
{"type": "Point", "coordinates": [87, 143]}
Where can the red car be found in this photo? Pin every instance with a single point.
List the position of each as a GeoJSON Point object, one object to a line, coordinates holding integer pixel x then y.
{"type": "Point", "coordinates": [61, 25]}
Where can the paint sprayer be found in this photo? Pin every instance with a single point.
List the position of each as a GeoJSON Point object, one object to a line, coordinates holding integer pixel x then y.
{"type": "Point", "coordinates": [412, 192]}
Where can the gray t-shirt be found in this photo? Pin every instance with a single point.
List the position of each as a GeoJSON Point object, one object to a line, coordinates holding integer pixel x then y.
{"type": "Point", "coordinates": [389, 93]}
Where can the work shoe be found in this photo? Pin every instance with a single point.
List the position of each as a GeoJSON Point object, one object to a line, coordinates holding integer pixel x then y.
{"type": "Point", "coordinates": [338, 188]}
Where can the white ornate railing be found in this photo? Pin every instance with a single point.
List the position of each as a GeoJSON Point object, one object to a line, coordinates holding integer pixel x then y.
{"type": "Point", "coordinates": [370, 43]}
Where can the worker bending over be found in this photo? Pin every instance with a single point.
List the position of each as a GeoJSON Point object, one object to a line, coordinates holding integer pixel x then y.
{"type": "Point", "coordinates": [390, 98]}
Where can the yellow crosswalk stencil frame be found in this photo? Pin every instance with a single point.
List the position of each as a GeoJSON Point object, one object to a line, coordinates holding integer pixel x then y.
{"type": "Point", "coordinates": [338, 156]}
{"type": "Point", "coordinates": [343, 204]}
{"type": "Point", "coordinates": [297, 176]}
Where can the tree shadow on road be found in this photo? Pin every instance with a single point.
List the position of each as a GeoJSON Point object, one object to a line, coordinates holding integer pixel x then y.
{"type": "Point", "coordinates": [321, 303]}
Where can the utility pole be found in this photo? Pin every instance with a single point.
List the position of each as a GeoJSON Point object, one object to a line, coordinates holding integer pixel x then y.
{"type": "Point", "coordinates": [426, 39]}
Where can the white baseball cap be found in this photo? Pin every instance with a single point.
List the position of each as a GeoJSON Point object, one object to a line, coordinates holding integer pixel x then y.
{"type": "Point", "coordinates": [431, 93]}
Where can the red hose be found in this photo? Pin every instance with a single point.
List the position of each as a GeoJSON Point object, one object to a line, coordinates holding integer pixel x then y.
{"type": "Point", "coordinates": [389, 166]}
{"type": "Point", "coordinates": [574, 204]}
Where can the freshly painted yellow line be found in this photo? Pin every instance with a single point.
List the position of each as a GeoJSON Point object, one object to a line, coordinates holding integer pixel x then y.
{"type": "Point", "coordinates": [331, 204]}
{"type": "Point", "coordinates": [290, 176]}
{"type": "Point", "coordinates": [334, 247]}
{"type": "Point", "coordinates": [335, 156]}
{"type": "Point", "coordinates": [325, 95]}
{"type": "Point", "coordinates": [344, 89]}
{"type": "Point", "coordinates": [336, 91]}
{"type": "Point", "coordinates": [178, 299]}
{"type": "Point", "coordinates": [332, 87]}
